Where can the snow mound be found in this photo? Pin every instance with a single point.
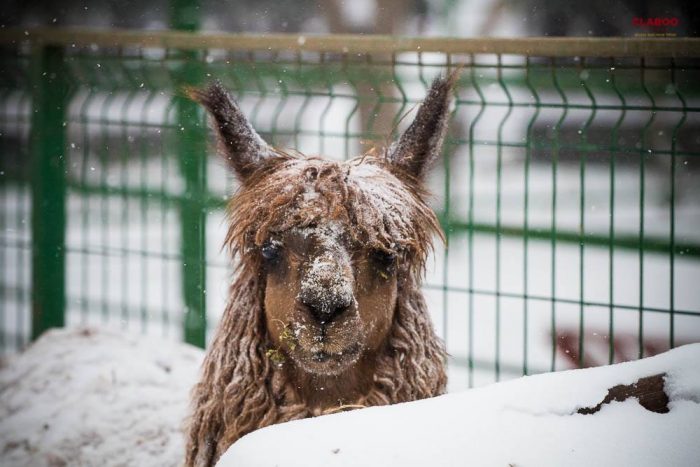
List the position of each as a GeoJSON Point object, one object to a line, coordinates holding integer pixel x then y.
{"type": "Point", "coordinates": [96, 398]}
{"type": "Point", "coordinates": [532, 421]}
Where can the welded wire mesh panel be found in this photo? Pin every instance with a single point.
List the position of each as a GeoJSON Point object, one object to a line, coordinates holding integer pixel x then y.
{"type": "Point", "coordinates": [569, 160]}
{"type": "Point", "coordinates": [15, 201]}
{"type": "Point", "coordinates": [568, 190]}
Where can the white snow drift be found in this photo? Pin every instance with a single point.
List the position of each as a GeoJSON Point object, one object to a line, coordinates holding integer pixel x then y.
{"type": "Point", "coordinates": [96, 398]}
{"type": "Point", "coordinates": [531, 421]}
{"type": "Point", "coordinates": [100, 398]}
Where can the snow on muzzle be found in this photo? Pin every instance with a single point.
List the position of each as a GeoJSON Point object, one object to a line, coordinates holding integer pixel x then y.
{"type": "Point", "coordinates": [326, 287]}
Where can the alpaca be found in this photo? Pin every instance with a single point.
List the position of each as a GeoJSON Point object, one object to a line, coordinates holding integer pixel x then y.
{"type": "Point", "coordinates": [325, 311]}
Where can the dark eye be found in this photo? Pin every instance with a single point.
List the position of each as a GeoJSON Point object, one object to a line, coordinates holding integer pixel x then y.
{"type": "Point", "coordinates": [270, 251]}
{"type": "Point", "coordinates": [383, 259]}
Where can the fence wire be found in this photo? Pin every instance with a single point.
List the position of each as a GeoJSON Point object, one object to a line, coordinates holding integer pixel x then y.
{"type": "Point", "coordinates": [568, 187]}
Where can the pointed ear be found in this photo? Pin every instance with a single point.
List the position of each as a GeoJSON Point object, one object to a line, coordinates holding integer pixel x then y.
{"type": "Point", "coordinates": [243, 148]}
{"type": "Point", "coordinates": [421, 143]}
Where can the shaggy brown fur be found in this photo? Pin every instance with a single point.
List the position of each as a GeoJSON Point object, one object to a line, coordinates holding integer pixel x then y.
{"type": "Point", "coordinates": [380, 200]}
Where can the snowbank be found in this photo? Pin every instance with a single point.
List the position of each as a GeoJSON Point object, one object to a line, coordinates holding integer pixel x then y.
{"type": "Point", "coordinates": [99, 398]}
{"type": "Point", "coordinates": [531, 421]}
{"type": "Point", "coordinates": [96, 398]}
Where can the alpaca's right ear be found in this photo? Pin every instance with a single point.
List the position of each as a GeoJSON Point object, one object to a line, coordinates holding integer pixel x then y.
{"type": "Point", "coordinates": [243, 148]}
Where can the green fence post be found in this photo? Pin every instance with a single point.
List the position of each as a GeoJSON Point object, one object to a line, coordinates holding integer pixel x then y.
{"type": "Point", "coordinates": [191, 151]}
{"type": "Point", "coordinates": [48, 142]}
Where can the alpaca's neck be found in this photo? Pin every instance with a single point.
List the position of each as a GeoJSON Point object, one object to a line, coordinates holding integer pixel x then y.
{"type": "Point", "coordinates": [326, 392]}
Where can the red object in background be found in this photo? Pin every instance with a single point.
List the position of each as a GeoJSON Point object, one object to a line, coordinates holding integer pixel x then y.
{"type": "Point", "coordinates": [597, 347]}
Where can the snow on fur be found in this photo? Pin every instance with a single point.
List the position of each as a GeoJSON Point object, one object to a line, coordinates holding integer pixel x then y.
{"type": "Point", "coordinates": [241, 388]}
{"type": "Point", "coordinates": [96, 398]}
{"type": "Point", "coordinates": [531, 421]}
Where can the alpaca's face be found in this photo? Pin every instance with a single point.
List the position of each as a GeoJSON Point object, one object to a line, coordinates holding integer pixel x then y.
{"type": "Point", "coordinates": [328, 301]}
{"type": "Point", "coordinates": [331, 240]}
{"type": "Point", "coordinates": [331, 257]}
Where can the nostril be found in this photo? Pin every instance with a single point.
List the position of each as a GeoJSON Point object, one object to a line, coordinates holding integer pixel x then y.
{"type": "Point", "coordinates": [337, 311]}
{"type": "Point", "coordinates": [325, 313]}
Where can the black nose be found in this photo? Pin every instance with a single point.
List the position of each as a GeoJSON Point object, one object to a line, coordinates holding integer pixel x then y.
{"type": "Point", "coordinates": [326, 307]}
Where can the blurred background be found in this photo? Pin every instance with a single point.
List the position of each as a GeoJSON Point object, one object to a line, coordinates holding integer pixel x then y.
{"type": "Point", "coordinates": [569, 186]}
{"type": "Point", "coordinates": [455, 18]}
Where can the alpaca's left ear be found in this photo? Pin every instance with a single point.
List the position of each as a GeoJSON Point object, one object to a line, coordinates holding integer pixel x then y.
{"type": "Point", "coordinates": [421, 143]}
{"type": "Point", "coordinates": [243, 148]}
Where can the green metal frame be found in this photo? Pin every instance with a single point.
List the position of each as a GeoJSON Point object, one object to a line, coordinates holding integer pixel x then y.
{"type": "Point", "coordinates": [191, 144]}
{"type": "Point", "coordinates": [48, 142]}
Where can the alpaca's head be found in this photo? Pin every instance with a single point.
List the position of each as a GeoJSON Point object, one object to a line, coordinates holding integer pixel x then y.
{"type": "Point", "coordinates": [332, 243]}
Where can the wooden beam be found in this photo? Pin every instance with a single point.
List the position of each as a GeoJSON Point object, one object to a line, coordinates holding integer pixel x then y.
{"type": "Point", "coordinates": [361, 44]}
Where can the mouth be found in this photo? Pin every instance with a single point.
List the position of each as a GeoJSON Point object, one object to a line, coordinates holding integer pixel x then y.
{"type": "Point", "coordinates": [321, 356]}
{"type": "Point", "coordinates": [325, 349]}
{"type": "Point", "coordinates": [324, 361]}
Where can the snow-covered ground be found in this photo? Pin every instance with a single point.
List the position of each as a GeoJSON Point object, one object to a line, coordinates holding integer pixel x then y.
{"type": "Point", "coordinates": [531, 421]}
{"type": "Point", "coordinates": [96, 398]}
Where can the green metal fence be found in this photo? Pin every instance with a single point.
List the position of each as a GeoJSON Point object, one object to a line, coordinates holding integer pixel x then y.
{"type": "Point", "coordinates": [569, 187]}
